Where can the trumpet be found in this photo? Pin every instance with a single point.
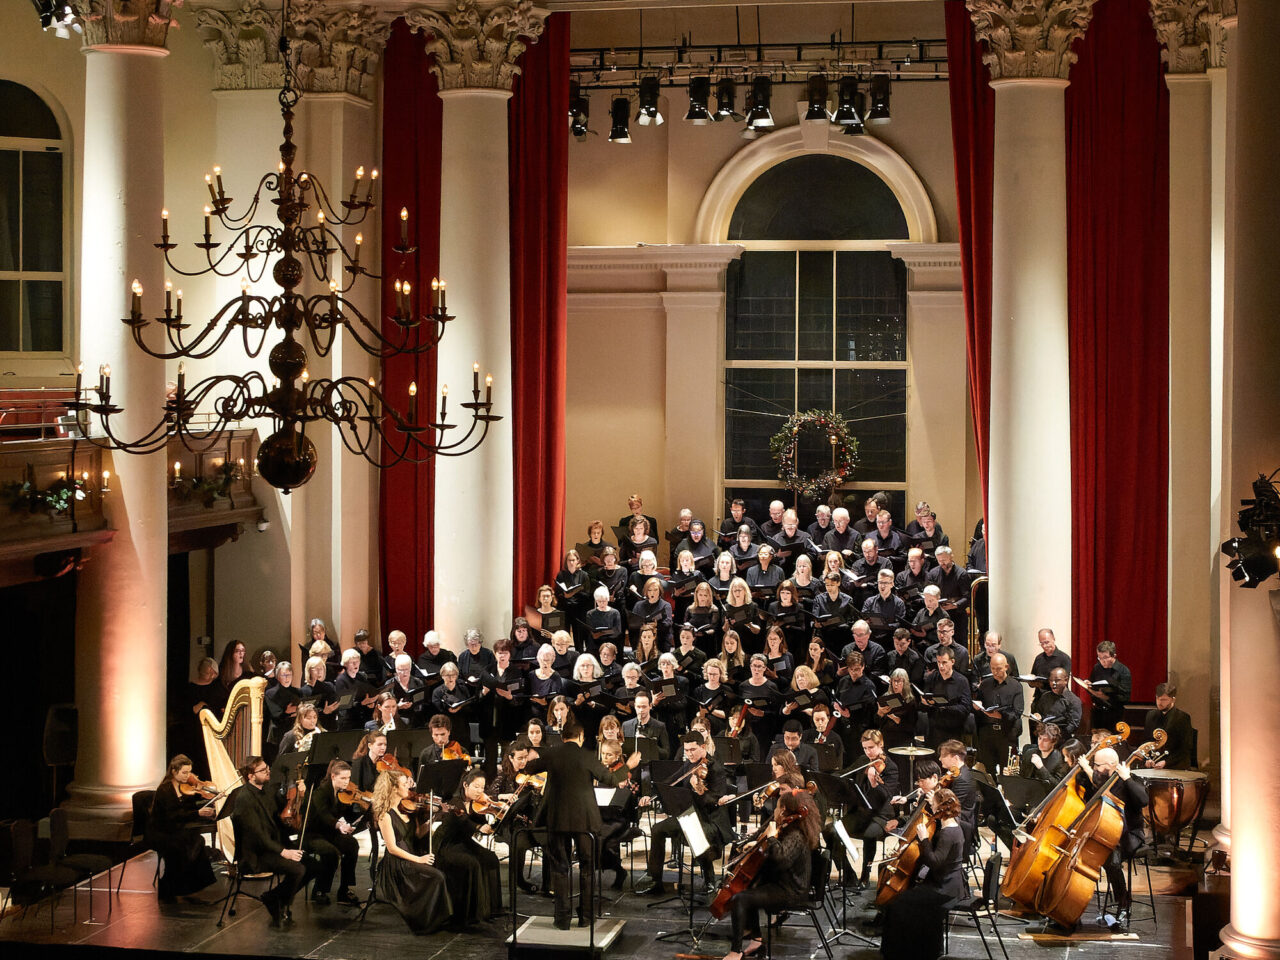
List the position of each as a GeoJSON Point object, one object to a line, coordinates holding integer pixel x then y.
{"type": "Point", "coordinates": [1013, 766]}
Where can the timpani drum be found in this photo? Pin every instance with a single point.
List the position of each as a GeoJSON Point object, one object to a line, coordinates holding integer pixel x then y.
{"type": "Point", "coordinates": [1177, 798]}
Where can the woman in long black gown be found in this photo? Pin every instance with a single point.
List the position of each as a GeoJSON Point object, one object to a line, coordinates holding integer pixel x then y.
{"type": "Point", "coordinates": [407, 880]}
{"type": "Point", "coordinates": [173, 831]}
{"type": "Point", "coordinates": [472, 871]}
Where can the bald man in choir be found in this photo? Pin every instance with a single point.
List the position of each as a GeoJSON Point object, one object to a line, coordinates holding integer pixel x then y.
{"type": "Point", "coordinates": [953, 581]}
{"type": "Point", "coordinates": [842, 538]}
{"type": "Point", "coordinates": [998, 708]}
{"type": "Point", "coordinates": [773, 526]}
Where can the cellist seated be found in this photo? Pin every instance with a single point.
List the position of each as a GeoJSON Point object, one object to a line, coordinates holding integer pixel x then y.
{"type": "Point", "coordinates": [784, 864]}
{"type": "Point", "coordinates": [914, 921]}
{"type": "Point", "coordinates": [1130, 791]}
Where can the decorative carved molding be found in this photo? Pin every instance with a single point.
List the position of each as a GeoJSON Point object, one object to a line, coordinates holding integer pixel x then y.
{"type": "Point", "coordinates": [476, 43]}
{"type": "Point", "coordinates": [1029, 38]}
{"type": "Point", "coordinates": [1215, 30]}
{"type": "Point", "coordinates": [335, 49]}
{"type": "Point", "coordinates": [1180, 27]}
{"type": "Point", "coordinates": [134, 23]}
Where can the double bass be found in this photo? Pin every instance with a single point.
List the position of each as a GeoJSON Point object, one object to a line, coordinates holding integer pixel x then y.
{"type": "Point", "coordinates": [1054, 815]}
{"type": "Point", "coordinates": [1068, 886]}
{"type": "Point", "coordinates": [895, 875]}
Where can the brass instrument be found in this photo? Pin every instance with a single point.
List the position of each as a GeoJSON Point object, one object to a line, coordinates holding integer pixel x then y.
{"type": "Point", "coordinates": [230, 740]}
{"type": "Point", "coordinates": [978, 584]}
{"type": "Point", "coordinates": [1013, 766]}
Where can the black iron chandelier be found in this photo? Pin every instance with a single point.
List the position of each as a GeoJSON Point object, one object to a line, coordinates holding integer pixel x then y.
{"type": "Point", "coordinates": [368, 424]}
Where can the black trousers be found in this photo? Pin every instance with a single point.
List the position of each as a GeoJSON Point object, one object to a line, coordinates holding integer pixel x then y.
{"type": "Point", "coordinates": [329, 851]}
{"type": "Point", "coordinates": [560, 851]}
{"type": "Point", "coordinates": [669, 829]}
{"type": "Point", "coordinates": [292, 873]}
{"type": "Point", "coordinates": [746, 907]}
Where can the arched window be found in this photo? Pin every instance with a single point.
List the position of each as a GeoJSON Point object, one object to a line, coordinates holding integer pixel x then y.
{"type": "Point", "coordinates": [816, 319]}
{"type": "Point", "coordinates": [34, 318]}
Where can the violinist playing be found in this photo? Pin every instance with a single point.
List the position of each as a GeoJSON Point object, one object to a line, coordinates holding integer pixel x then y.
{"type": "Point", "coordinates": [330, 836]}
{"type": "Point", "coordinates": [705, 777]}
{"type": "Point", "coordinates": [914, 920]}
{"type": "Point", "coordinates": [442, 745]}
{"type": "Point", "coordinates": [1131, 792]}
{"type": "Point", "coordinates": [791, 837]}
{"type": "Point", "coordinates": [875, 786]}
{"type": "Point", "coordinates": [180, 809]}
{"type": "Point", "coordinates": [470, 870]}
{"type": "Point", "coordinates": [523, 804]}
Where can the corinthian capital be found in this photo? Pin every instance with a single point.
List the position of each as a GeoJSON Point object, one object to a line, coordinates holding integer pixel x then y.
{"type": "Point", "coordinates": [1215, 30]}
{"type": "Point", "coordinates": [335, 49]}
{"type": "Point", "coordinates": [133, 23]}
{"type": "Point", "coordinates": [476, 43]}
{"type": "Point", "coordinates": [1180, 27]}
{"type": "Point", "coordinates": [1029, 38]}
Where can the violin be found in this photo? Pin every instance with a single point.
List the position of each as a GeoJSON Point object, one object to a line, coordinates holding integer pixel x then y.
{"type": "Point", "coordinates": [354, 797]}
{"type": "Point", "coordinates": [484, 806]}
{"type": "Point", "coordinates": [195, 787]}
{"type": "Point", "coordinates": [291, 815]}
{"type": "Point", "coordinates": [535, 781]}
{"type": "Point", "coordinates": [631, 782]}
{"type": "Point", "coordinates": [453, 751]}
{"type": "Point", "coordinates": [700, 771]}
{"type": "Point", "coordinates": [416, 802]}
{"type": "Point", "coordinates": [895, 875]}
{"type": "Point", "coordinates": [389, 764]}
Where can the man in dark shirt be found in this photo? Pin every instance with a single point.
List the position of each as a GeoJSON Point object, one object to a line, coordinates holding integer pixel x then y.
{"type": "Point", "coordinates": [1059, 705]}
{"type": "Point", "coordinates": [1131, 792]}
{"type": "Point", "coordinates": [792, 738]}
{"type": "Point", "coordinates": [872, 652]}
{"type": "Point", "coordinates": [951, 755]}
{"type": "Point", "coordinates": [867, 569]}
{"type": "Point", "coordinates": [913, 579]}
{"type": "Point", "coordinates": [1174, 722]}
{"type": "Point", "coordinates": [773, 526]}
{"type": "Point", "coordinates": [255, 811]}
{"type": "Point", "coordinates": [871, 507]}
{"type": "Point", "coordinates": [946, 641]}
{"type": "Point", "coordinates": [792, 541]}
{"type": "Point", "coordinates": [998, 710]}
{"type": "Point", "coordinates": [842, 538]}
{"type": "Point", "coordinates": [821, 524]}
{"type": "Point", "coordinates": [992, 643]}
{"type": "Point", "coordinates": [885, 605]}
{"type": "Point", "coordinates": [954, 584]}
{"type": "Point", "coordinates": [887, 538]}
{"type": "Point", "coordinates": [1046, 660]}
{"type": "Point", "coordinates": [904, 657]}
{"type": "Point", "coordinates": [737, 518]}
{"type": "Point", "coordinates": [946, 720]}
{"type": "Point", "coordinates": [1110, 686]}
{"type": "Point", "coordinates": [644, 727]}
{"type": "Point", "coordinates": [833, 607]}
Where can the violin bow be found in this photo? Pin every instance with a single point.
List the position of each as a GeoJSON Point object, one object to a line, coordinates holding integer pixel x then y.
{"type": "Point", "coordinates": [222, 793]}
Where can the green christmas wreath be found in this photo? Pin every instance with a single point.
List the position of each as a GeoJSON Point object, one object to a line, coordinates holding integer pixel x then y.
{"type": "Point", "coordinates": [785, 444]}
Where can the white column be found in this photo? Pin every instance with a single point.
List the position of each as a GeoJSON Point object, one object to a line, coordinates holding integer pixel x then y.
{"type": "Point", "coordinates": [1192, 554]}
{"type": "Point", "coordinates": [1029, 483]}
{"type": "Point", "coordinates": [1254, 930]}
{"type": "Point", "coordinates": [474, 494]}
{"type": "Point", "coordinates": [121, 604]}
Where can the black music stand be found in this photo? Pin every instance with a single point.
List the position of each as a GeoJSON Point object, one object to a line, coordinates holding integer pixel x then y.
{"type": "Point", "coordinates": [441, 778]}
{"type": "Point", "coordinates": [340, 745]}
{"type": "Point", "coordinates": [728, 751]}
{"type": "Point", "coordinates": [694, 839]}
{"type": "Point", "coordinates": [679, 797]}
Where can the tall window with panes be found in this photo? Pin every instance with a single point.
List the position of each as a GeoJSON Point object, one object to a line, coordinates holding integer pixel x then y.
{"type": "Point", "coordinates": [815, 319]}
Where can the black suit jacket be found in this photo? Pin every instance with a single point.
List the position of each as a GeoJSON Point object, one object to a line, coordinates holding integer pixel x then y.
{"type": "Point", "coordinates": [654, 730]}
{"type": "Point", "coordinates": [569, 802]}
{"type": "Point", "coordinates": [256, 815]}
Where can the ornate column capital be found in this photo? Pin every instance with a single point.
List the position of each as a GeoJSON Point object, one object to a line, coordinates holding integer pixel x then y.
{"type": "Point", "coordinates": [337, 49]}
{"type": "Point", "coordinates": [1220, 15]}
{"type": "Point", "coordinates": [125, 23]}
{"type": "Point", "coordinates": [1029, 38]}
{"type": "Point", "coordinates": [476, 43]}
{"type": "Point", "coordinates": [1181, 30]}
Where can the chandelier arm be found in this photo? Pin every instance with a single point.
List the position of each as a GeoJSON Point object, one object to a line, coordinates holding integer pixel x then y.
{"type": "Point", "coordinates": [331, 211]}
{"type": "Point", "coordinates": [233, 247]}
{"type": "Point", "coordinates": [374, 342]}
{"type": "Point", "coordinates": [268, 183]}
{"type": "Point", "coordinates": [192, 350]}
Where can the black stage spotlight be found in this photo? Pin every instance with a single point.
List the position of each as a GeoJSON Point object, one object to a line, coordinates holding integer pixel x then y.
{"type": "Point", "coordinates": [857, 128]}
{"type": "Point", "coordinates": [847, 112]}
{"type": "Point", "coordinates": [1256, 555]}
{"type": "Point", "coordinates": [879, 100]}
{"type": "Point", "coordinates": [758, 114]}
{"type": "Point", "coordinates": [579, 112]}
{"type": "Point", "coordinates": [699, 94]}
{"type": "Point", "coordinates": [649, 88]}
{"type": "Point", "coordinates": [816, 94]}
{"type": "Point", "coordinates": [726, 94]}
{"type": "Point", "coordinates": [620, 115]}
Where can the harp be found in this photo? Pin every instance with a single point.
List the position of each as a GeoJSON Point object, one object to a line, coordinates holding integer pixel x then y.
{"type": "Point", "coordinates": [230, 740]}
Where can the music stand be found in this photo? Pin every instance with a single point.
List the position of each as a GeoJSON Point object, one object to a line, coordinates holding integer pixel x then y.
{"type": "Point", "coordinates": [673, 798]}
{"type": "Point", "coordinates": [441, 778]}
{"type": "Point", "coordinates": [695, 840]}
{"type": "Point", "coordinates": [339, 745]}
{"type": "Point", "coordinates": [826, 756]}
{"type": "Point", "coordinates": [728, 751]}
{"type": "Point", "coordinates": [851, 854]}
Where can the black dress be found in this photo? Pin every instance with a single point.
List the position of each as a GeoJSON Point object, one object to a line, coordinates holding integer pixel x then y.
{"type": "Point", "coordinates": [914, 921]}
{"type": "Point", "coordinates": [471, 871]}
{"type": "Point", "coordinates": [417, 890]}
{"type": "Point", "coordinates": [173, 832]}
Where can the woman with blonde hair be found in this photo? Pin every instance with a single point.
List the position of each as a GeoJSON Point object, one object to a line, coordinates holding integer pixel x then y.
{"type": "Point", "coordinates": [407, 879]}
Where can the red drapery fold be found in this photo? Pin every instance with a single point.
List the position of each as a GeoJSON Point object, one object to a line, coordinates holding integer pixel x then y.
{"type": "Point", "coordinates": [411, 130]}
{"type": "Point", "coordinates": [539, 177]}
{"type": "Point", "coordinates": [1117, 115]}
{"type": "Point", "coordinates": [973, 141]}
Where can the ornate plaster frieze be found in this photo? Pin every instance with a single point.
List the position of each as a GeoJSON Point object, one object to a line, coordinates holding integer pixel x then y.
{"type": "Point", "coordinates": [1215, 30]}
{"type": "Point", "coordinates": [1180, 27]}
{"type": "Point", "coordinates": [476, 43]}
{"type": "Point", "coordinates": [134, 23]}
{"type": "Point", "coordinates": [335, 49]}
{"type": "Point", "coordinates": [1029, 38]}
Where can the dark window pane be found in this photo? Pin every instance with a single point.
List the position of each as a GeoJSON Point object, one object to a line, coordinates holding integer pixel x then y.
{"type": "Point", "coordinates": [24, 114]}
{"type": "Point", "coordinates": [815, 305]}
{"type": "Point", "coordinates": [10, 315]}
{"type": "Point", "coordinates": [871, 307]}
{"type": "Point", "coordinates": [42, 319]}
{"type": "Point", "coordinates": [760, 307]}
{"type": "Point", "coordinates": [818, 196]}
{"type": "Point", "coordinates": [9, 209]}
{"type": "Point", "coordinates": [756, 403]}
{"type": "Point", "coordinates": [42, 211]}
{"type": "Point", "coordinates": [875, 404]}
{"type": "Point", "coordinates": [813, 392]}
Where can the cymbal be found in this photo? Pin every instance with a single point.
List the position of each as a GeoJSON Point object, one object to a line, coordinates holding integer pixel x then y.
{"type": "Point", "coordinates": [911, 751]}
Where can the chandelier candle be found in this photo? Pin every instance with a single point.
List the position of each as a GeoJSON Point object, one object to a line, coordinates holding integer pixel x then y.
{"type": "Point", "coordinates": [222, 195]}
{"type": "Point", "coordinates": [135, 307]}
{"type": "Point", "coordinates": [404, 226]}
{"type": "Point", "coordinates": [164, 227]}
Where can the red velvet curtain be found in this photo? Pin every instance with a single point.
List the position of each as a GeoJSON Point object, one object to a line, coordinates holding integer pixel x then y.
{"type": "Point", "coordinates": [411, 180]}
{"type": "Point", "coordinates": [973, 142]}
{"type": "Point", "coordinates": [539, 176]}
{"type": "Point", "coordinates": [1118, 264]}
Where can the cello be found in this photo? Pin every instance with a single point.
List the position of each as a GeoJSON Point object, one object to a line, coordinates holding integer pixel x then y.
{"type": "Point", "coordinates": [895, 875]}
{"type": "Point", "coordinates": [1054, 815]}
{"type": "Point", "coordinates": [1069, 884]}
{"type": "Point", "coordinates": [743, 870]}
